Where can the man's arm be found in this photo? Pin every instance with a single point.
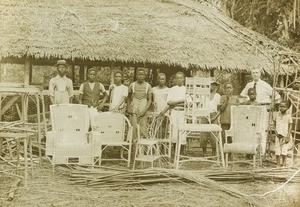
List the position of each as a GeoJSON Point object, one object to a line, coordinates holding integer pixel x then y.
{"type": "Point", "coordinates": [149, 101]}
{"type": "Point", "coordinates": [176, 103]}
{"type": "Point", "coordinates": [51, 90]}
{"type": "Point", "coordinates": [80, 93]}
{"type": "Point", "coordinates": [71, 92]}
{"type": "Point", "coordinates": [244, 91]}
{"type": "Point", "coordinates": [101, 104]}
{"type": "Point", "coordinates": [223, 103]}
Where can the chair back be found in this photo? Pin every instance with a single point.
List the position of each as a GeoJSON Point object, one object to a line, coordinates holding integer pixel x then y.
{"type": "Point", "coordinates": [70, 122]}
{"type": "Point", "coordinates": [246, 123]}
{"type": "Point", "coordinates": [196, 105]}
{"type": "Point", "coordinates": [113, 127]}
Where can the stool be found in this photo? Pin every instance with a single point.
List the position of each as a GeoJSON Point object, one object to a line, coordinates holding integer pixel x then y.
{"type": "Point", "coordinates": [17, 137]}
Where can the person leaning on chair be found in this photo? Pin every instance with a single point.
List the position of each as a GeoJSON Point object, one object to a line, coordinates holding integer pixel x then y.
{"type": "Point", "coordinates": [263, 89]}
{"type": "Point", "coordinates": [60, 86]}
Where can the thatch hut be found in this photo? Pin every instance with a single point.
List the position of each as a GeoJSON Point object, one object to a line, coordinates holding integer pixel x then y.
{"type": "Point", "coordinates": [163, 34]}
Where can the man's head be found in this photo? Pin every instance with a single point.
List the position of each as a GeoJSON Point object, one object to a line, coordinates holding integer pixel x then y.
{"type": "Point", "coordinates": [283, 106]}
{"type": "Point", "coordinates": [140, 74]}
{"type": "Point", "coordinates": [118, 77]}
{"type": "Point", "coordinates": [61, 67]}
{"type": "Point", "coordinates": [179, 76]}
{"type": "Point", "coordinates": [91, 75]}
{"type": "Point", "coordinates": [214, 86]}
{"type": "Point", "coordinates": [252, 94]}
{"type": "Point", "coordinates": [161, 79]}
{"type": "Point", "coordinates": [228, 88]}
{"type": "Point", "coordinates": [255, 73]}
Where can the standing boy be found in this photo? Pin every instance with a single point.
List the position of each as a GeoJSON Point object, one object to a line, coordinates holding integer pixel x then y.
{"type": "Point", "coordinates": [252, 98]}
{"type": "Point", "coordinates": [175, 101]}
{"type": "Point", "coordinates": [283, 125]}
{"type": "Point", "coordinates": [214, 118]}
{"type": "Point", "coordinates": [90, 92]}
{"type": "Point", "coordinates": [61, 87]}
{"type": "Point", "coordinates": [139, 101]}
{"type": "Point", "coordinates": [226, 102]}
{"type": "Point", "coordinates": [160, 93]}
{"type": "Point", "coordinates": [118, 94]}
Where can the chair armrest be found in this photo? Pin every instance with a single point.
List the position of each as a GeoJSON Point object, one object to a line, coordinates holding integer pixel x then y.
{"type": "Point", "coordinates": [228, 133]}
{"type": "Point", "coordinates": [138, 129]}
{"type": "Point", "coordinates": [129, 134]}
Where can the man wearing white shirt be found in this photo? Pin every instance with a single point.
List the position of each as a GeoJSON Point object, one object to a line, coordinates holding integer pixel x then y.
{"type": "Point", "coordinates": [263, 97]}
{"type": "Point", "coordinates": [175, 100]}
{"type": "Point", "coordinates": [60, 86]}
{"type": "Point", "coordinates": [118, 94]}
{"type": "Point", "coordinates": [214, 118]}
{"type": "Point", "coordinates": [263, 89]}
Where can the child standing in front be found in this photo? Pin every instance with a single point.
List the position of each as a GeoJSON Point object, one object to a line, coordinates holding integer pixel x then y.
{"type": "Point", "coordinates": [252, 98]}
{"type": "Point", "coordinates": [227, 100]}
{"type": "Point", "coordinates": [160, 93]}
{"type": "Point", "coordinates": [283, 125]}
{"type": "Point", "coordinates": [118, 94]}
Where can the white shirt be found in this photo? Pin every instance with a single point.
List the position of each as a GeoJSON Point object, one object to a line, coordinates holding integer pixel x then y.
{"type": "Point", "coordinates": [160, 98]}
{"type": "Point", "coordinates": [117, 93]}
{"type": "Point", "coordinates": [282, 123]}
{"type": "Point", "coordinates": [176, 93]}
{"type": "Point", "coordinates": [61, 84]}
{"type": "Point", "coordinates": [263, 91]}
{"type": "Point", "coordinates": [214, 102]}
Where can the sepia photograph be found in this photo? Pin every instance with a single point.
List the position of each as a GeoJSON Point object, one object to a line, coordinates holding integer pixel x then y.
{"type": "Point", "coordinates": [147, 103]}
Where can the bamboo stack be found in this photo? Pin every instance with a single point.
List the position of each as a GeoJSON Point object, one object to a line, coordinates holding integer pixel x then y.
{"type": "Point", "coordinates": [112, 177]}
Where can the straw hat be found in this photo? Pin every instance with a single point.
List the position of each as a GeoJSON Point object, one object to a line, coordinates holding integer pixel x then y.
{"type": "Point", "coordinates": [61, 62]}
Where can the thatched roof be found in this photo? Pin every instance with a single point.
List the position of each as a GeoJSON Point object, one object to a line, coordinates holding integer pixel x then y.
{"type": "Point", "coordinates": [179, 32]}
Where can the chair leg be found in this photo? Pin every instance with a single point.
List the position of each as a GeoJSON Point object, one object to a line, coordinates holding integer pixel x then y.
{"type": "Point", "coordinates": [226, 160]}
{"type": "Point", "coordinates": [135, 155]}
{"type": "Point", "coordinates": [128, 156]}
{"type": "Point", "coordinates": [100, 156]}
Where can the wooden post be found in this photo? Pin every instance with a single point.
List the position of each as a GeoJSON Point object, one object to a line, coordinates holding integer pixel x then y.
{"type": "Point", "coordinates": [81, 74]}
{"type": "Point", "coordinates": [0, 73]}
{"type": "Point", "coordinates": [27, 68]}
{"type": "Point", "coordinates": [112, 72]}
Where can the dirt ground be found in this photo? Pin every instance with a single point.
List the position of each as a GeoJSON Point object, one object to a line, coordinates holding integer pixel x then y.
{"type": "Point", "coordinates": [48, 189]}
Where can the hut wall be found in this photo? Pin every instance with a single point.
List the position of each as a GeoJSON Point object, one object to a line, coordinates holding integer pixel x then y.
{"type": "Point", "coordinates": [12, 73]}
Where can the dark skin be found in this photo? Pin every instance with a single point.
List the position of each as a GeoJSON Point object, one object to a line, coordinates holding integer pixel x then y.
{"type": "Point", "coordinates": [228, 93]}
{"type": "Point", "coordinates": [118, 81]}
{"type": "Point", "coordinates": [61, 71]}
{"type": "Point", "coordinates": [141, 76]}
{"type": "Point", "coordinates": [283, 140]}
{"type": "Point", "coordinates": [91, 79]}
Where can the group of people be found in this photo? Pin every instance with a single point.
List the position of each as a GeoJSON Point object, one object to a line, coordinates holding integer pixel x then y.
{"type": "Point", "coordinates": [137, 99]}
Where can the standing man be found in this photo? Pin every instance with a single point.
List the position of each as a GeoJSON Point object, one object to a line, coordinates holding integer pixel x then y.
{"type": "Point", "coordinates": [160, 94]}
{"type": "Point", "coordinates": [263, 97]}
{"type": "Point", "coordinates": [118, 94]}
{"type": "Point", "coordinates": [263, 89]}
{"type": "Point", "coordinates": [90, 92]}
{"type": "Point", "coordinates": [61, 87]}
{"type": "Point", "coordinates": [139, 101]}
{"type": "Point", "coordinates": [214, 102]}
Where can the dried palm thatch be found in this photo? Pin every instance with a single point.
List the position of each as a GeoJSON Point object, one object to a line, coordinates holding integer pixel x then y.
{"type": "Point", "coordinates": [174, 32]}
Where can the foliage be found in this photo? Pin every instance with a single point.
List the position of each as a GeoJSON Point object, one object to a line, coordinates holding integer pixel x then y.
{"type": "Point", "coordinates": [277, 19]}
